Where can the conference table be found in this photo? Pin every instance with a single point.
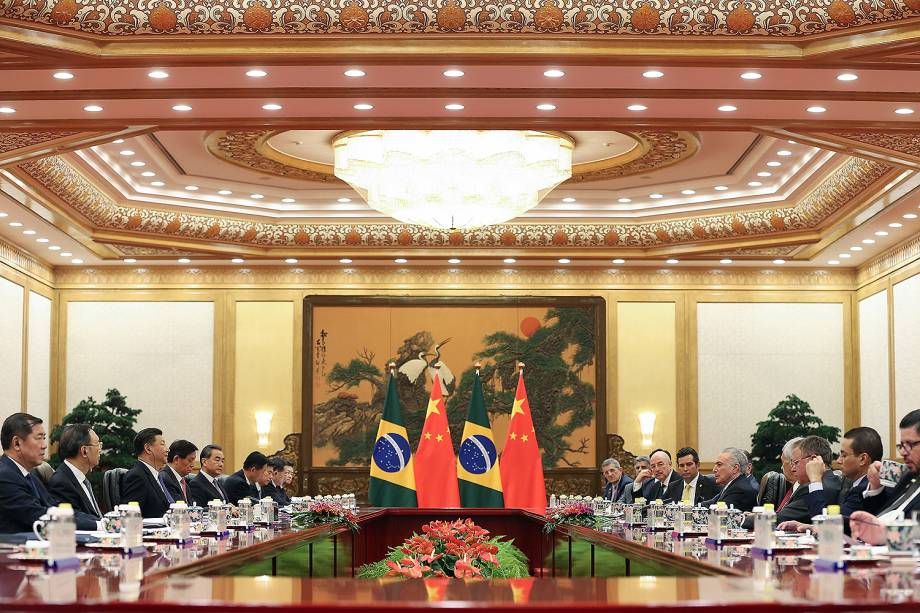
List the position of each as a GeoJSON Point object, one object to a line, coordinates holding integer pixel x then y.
{"type": "Point", "coordinates": [574, 567]}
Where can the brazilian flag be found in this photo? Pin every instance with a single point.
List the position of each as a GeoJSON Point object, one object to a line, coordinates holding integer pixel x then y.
{"type": "Point", "coordinates": [392, 474]}
{"type": "Point", "coordinates": [477, 463]}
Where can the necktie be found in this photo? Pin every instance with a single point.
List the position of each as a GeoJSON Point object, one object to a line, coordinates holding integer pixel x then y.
{"type": "Point", "coordinates": [219, 490]}
{"type": "Point", "coordinates": [613, 491]}
{"type": "Point", "coordinates": [909, 491]}
{"type": "Point", "coordinates": [34, 488]}
{"type": "Point", "coordinates": [785, 499]}
{"type": "Point", "coordinates": [686, 496]}
{"type": "Point", "coordinates": [169, 498]}
{"type": "Point", "coordinates": [92, 499]}
{"type": "Point", "coordinates": [182, 486]}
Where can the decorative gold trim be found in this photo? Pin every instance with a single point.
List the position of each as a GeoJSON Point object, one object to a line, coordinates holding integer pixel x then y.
{"type": "Point", "coordinates": [23, 262]}
{"type": "Point", "coordinates": [889, 262]}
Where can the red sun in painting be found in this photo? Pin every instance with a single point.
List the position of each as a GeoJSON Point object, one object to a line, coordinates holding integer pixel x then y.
{"type": "Point", "coordinates": [529, 325]}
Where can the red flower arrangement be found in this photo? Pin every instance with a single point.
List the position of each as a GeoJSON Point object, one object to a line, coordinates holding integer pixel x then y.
{"type": "Point", "coordinates": [325, 513]}
{"type": "Point", "coordinates": [459, 549]}
{"type": "Point", "coordinates": [578, 514]}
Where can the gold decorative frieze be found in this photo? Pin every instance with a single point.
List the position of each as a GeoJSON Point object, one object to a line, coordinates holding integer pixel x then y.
{"type": "Point", "coordinates": [451, 279]}
{"type": "Point", "coordinates": [678, 18]}
{"type": "Point", "coordinates": [900, 144]}
{"type": "Point", "coordinates": [891, 260]}
{"type": "Point", "coordinates": [18, 259]}
{"type": "Point", "coordinates": [846, 183]}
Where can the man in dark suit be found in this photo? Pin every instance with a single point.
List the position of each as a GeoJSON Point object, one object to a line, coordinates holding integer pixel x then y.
{"type": "Point", "coordinates": [80, 448]}
{"type": "Point", "coordinates": [615, 480]}
{"type": "Point", "coordinates": [859, 449]}
{"type": "Point", "coordinates": [205, 487]}
{"type": "Point", "coordinates": [181, 459]}
{"type": "Point", "coordinates": [809, 448]}
{"type": "Point", "coordinates": [692, 487]}
{"type": "Point", "coordinates": [884, 504]}
{"type": "Point", "coordinates": [23, 498]}
{"type": "Point", "coordinates": [275, 486]}
{"type": "Point", "coordinates": [245, 483]}
{"type": "Point", "coordinates": [736, 491]}
{"type": "Point", "coordinates": [749, 471]}
{"type": "Point", "coordinates": [664, 477]}
{"type": "Point", "coordinates": [141, 483]}
{"type": "Point", "coordinates": [640, 467]}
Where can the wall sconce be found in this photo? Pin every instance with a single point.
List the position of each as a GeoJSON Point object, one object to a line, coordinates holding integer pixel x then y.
{"type": "Point", "coordinates": [263, 426]}
{"type": "Point", "coordinates": [647, 427]}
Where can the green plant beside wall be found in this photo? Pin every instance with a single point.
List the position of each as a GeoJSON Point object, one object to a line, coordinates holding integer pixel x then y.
{"type": "Point", "coordinates": [790, 418]}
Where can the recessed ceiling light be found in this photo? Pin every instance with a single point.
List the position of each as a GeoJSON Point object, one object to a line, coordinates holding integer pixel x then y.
{"type": "Point", "coordinates": [181, 107]}
{"type": "Point", "coordinates": [833, 262]}
{"type": "Point", "coordinates": [844, 255]}
{"type": "Point", "coordinates": [290, 261]}
{"type": "Point", "coordinates": [904, 111]}
{"type": "Point", "coordinates": [454, 106]}
{"type": "Point", "coordinates": [288, 200]}
{"type": "Point", "coordinates": [7, 109]}
{"type": "Point", "coordinates": [130, 260]}
{"type": "Point", "coordinates": [401, 260]}
{"type": "Point", "coordinates": [910, 216]}
{"type": "Point", "coordinates": [344, 200]}
{"type": "Point", "coordinates": [764, 174]}
{"type": "Point", "coordinates": [126, 152]}
{"type": "Point", "coordinates": [63, 75]}
{"type": "Point", "coordinates": [271, 106]}
{"type": "Point", "coordinates": [41, 240]}
{"type": "Point", "coordinates": [354, 72]}
{"type": "Point", "coordinates": [148, 173]}
{"type": "Point", "coordinates": [720, 188]}
{"type": "Point", "coordinates": [345, 261]}
{"type": "Point", "coordinates": [453, 261]}
{"type": "Point", "coordinates": [225, 192]}
{"type": "Point", "coordinates": [728, 108]}
{"type": "Point", "coordinates": [791, 142]}
{"type": "Point", "coordinates": [28, 232]}
{"type": "Point", "coordinates": [453, 73]}
{"type": "Point", "coordinates": [847, 76]}
{"type": "Point", "coordinates": [92, 108]}
{"type": "Point", "coordinates": [256, 73]}
{"type": "Point", "coordinates": [783, 153]}
{"type": "Point", "coordinates": [816, 109]}
{"type": "Point", "coordinates": [881, 233]}
{"type": "Point", "coordinates": [779, 261]}
{"type": "Point", "coordinates": [510, 260]}
{"type": "Point", "coordinates": [157, 183]}
{"type": "Point", "coordinates": [256, 196]}
{"type": "Point", "coordinates": [687, 192]}
{"type": "Point", "coordinates": [55, 248]}
{"type": "Point", "coordinates": [618, 261]}
{"type": "Point", "coordinates": [774, 164]}
{"type": "Point", "coordinates": [118, 141]}
{"type": "Point", "coordinates": [363, 106]}
{"type": "Point", "coordinates": [636, 107]}
{"type": "Point", "coordinates": [158, 74]}
{"type": "Point", "coordinates": [652, 74]}
{"type": "Point", "coordinates": [855, 248]}
{"type": "Point", "coordinates": [754, 183]}
{"type": "Point", "coordinates": [237, 260]}
{"type": "Point", "coordinates": [656, 196]}
{"type": "Point", "coordinates": [192, 188]}
{"type": "Point", "coordinates": [138, 164]}
{"type": "Point", "coordinates": [895, 225]}
{"type": "Point", "coordinates": [15, 224]}
{"type": "Point", "coordinates": [725, 261]}
{"type": "Point", "coordinates": [672, 261]}
{"type": "Point", "coordinates": [183, 260]}
{"type": "Point", "coordinates": [868, 241]}
{"type": "Point", "coordinates": [2, 214]}
{"type": "Point", "coordinates": [553, 73]}
{"type": "Point", "coordinates": [76, 261]}
{"type": "Point", "coordinates": [568, 199]}
{"type": "Point", "coordinates": [624, 200]}
{"type": "Point", "coordinates": [564, 261]}
{"type": "Point", "coordinates": [65, 254]}
{"type": "Point", "coordinates": [751, 76]}
{"type": "Point", "coordinates": [546, 106]}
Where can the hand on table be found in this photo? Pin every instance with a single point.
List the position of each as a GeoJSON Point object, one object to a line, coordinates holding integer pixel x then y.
{"type": "Point", "coordinates": [867, 528]}
{"type": "Point", "coordinates": [792, 526]}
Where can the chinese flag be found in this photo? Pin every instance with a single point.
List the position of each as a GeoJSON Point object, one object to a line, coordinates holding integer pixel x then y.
{"type": "Point", "coordinates": [435, 462]}
{"type": "Point", "coordinates": [521, 464]}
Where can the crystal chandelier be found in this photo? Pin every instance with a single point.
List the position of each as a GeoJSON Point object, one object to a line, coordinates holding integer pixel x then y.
{"type": "Point", "coordinates": [453, 179]}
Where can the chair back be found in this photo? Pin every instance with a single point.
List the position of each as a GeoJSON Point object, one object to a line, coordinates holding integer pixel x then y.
{"type": "Point", "coordinates": [44, 472]}
{"type": "Point", "coordinates": [772, 488]}
{"type": "Point", "coordinates": [111, 487]}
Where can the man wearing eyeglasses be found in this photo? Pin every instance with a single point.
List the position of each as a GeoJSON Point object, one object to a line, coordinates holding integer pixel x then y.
{"type": "Point", "coordinates": [809, 448]}
{"type": "Point", "coordinates": [80, 448]}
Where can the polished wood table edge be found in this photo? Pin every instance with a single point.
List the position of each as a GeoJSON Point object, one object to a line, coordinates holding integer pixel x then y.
{"type": "Point", "coordinates": [641, 551]}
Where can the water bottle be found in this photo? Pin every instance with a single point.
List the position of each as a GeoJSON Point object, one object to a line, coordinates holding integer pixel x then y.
{"type": "Point", "coordinates": [180, 523]}
{"type": "Point", "coordinates": [718, 521]}
{"type": "Point", "coordinates": [552, 501]}
{"type": "Point", "coordinates": [764, 526]}
{"type": "Point", "coordinates": [62, 535]}
{"type": "Point", "coordinates": [217, 516]}
{"type": "Point", "coordinates": [131, 526]}
{"type": "Point", "coordinates": [830, 538]}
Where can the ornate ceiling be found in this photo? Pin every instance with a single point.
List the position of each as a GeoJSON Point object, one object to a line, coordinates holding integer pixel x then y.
{"type": "Point", "coordinates": [705, 131]}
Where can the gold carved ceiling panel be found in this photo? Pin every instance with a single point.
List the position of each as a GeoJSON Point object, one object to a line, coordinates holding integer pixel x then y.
{"type": "Point", "coordinates": [679, 18]}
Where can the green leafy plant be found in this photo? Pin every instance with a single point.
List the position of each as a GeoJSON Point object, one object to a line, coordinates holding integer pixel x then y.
{"type": "Point", "coordinates": [790, 418]}
{"type": "Point", "coordinates": [113, 421]}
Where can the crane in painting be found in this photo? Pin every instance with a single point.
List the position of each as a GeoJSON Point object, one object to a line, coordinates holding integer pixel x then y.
{"type": "Point", "coordinates": [415, 367]}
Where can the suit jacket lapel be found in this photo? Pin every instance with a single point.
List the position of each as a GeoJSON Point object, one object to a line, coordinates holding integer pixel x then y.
{"type": "Point", "coordinates": [155, 482]}
{"type": "Point", "coordinates": [81, 492]}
